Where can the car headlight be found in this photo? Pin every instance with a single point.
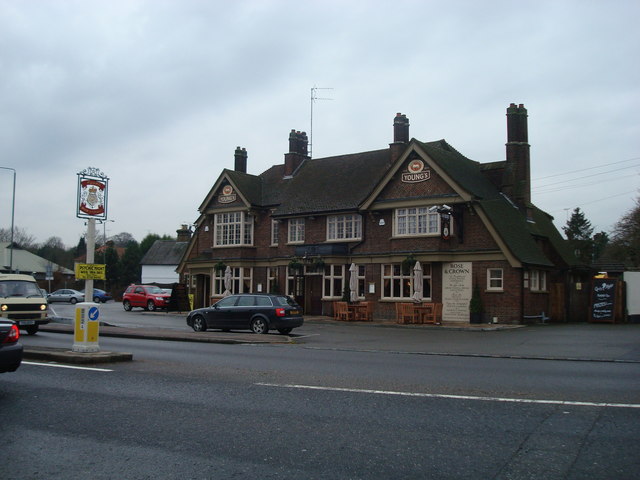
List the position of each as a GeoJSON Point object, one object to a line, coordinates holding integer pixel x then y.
{"type": "Point", "coordinates": [4, 307]}
{"type": "Point", "coordinates": [43, 307]}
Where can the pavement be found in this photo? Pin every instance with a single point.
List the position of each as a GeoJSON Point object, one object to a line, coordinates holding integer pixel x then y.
{"type": "Point", "coordinates": [593, 342]}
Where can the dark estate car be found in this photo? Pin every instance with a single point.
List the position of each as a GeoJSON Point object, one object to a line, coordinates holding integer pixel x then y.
{"type": "Point", "coordinates": [258, 312]}
{"type": "Point", "coordinates": [10, 349]}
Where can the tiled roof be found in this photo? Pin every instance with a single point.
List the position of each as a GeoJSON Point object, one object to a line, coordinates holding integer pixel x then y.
{"type": "Point", "coordinates": [164, 252]}
{"type": "Point", "coordinates": [333, 184]}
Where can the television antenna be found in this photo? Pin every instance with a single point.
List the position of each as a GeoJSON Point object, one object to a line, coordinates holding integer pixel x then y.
{"type": "Point", "coordinates": [314, 97]}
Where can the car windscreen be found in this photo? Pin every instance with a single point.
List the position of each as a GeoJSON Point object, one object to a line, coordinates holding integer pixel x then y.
{"type": "Point", "coordinates": [286, 301]}
{"type": "Point", "coordinates": [19, 288]}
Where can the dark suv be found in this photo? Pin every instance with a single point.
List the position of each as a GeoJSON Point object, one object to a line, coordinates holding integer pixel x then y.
{"type": "Point", "coordinates": [258, 312]}
{"type": "Point", "coordinates": [148, 297]}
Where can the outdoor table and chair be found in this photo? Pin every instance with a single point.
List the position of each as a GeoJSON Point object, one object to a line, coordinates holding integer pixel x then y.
{"type": "Point", "coordinates": [419, 312]}
{"type": "Point", "coordinates": [353, 312]}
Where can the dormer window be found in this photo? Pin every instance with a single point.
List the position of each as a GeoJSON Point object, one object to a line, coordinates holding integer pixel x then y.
{"type": "Point", "coordinates": [233, 228]}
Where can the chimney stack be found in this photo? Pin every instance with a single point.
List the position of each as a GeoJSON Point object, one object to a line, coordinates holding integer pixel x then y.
{"type": "Point", "coordinates": [400, 136]}
{"type": "Point", "coordinates": [184, 234]}
{"type": "Point", "coordinates": [298, 152]}
{"type": "Point", "coordinates": [241, 160]}
{"type": "Point", "coordinates": [517, 176]}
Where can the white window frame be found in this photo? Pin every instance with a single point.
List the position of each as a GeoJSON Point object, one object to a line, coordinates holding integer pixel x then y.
{"type": "Point", "coordinates": [275, 232]}
{"type": "Point", "coordinates": [495, 280]}
{"type": "Point", "coordinates": [401, 284]}
{"type": "Point", "coordinates": [272, 277]}
{"type": "Point", "coordinates": [232, 229]}
{"type": "Point", "coordinates": [538, 281]}
{"type": "Point", "coordinates": [333, 279]}
{"type": "Point", "coordinates": [344, 227]}
{"type": "Point", "coordinates": [415, 221]}
{"type": "Point", "coordinates": [241, 281]}
{"type": "Point", "coordinates": [296, 230]}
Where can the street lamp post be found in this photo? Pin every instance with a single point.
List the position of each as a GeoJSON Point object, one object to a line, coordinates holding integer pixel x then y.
{"type": "Point", "coordinates": [13, 207]}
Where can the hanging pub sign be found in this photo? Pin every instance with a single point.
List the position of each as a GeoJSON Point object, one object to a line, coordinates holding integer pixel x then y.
{"type": "Point", "coordinates": [92, 194]}
{"type": "Point", "coordinates": [445, 226]}
{"type": "Point", "coordinates": [416, 172]}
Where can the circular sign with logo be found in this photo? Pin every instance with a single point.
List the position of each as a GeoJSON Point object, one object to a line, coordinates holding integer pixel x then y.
{"type": "Point", "coordinates": [416, 166]}
{"type": "Point", "coordinates": [227, 190]}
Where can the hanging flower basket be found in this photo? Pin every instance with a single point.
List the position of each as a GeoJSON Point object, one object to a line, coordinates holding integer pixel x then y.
{"type": "Point", "coordinates": [220, 266]}
{"type": "Point", "coordinates": [408, 264]}
{"type": "Point", "coordinates": [296, 265]}
{"type": "Point", "coordinates": [318, 264]}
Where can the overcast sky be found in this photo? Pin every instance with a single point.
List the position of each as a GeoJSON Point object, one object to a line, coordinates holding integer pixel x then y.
{"type": "Point", "coordinates": [158, 94]}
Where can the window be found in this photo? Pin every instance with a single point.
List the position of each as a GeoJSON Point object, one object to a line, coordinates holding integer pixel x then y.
{"type": "Point", "coordinates": [333, 284]}
{"type": "Point", "coordinates": [495, 279]}
{"type": "Point", "coordinates": [233, 228]}
{"type": "Point", "coordinates": [538, 281]}
{"type": "Point", "coordinates": [272, 280]}
{"type": "Point", "coordinates": [275, 232]}
{"type": "Point", "coordinates": [241, 279]}
{"type": "Point", "coordinates": [344, 227]}
{"type": "Point", "coordinates": [397, 284]}
{"type": "Point", "coordinates": [416, 221]}
{"type": "Point", "coordinates": [295, 283]}
{"type": "Point", "coordinates": [296, 230]}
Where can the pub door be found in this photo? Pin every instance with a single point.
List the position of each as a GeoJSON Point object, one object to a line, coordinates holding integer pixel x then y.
{"type": "Point", "coordinates": [313, 295]}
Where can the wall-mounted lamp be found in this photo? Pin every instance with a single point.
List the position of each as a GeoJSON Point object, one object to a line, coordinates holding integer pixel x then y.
{"type": "Point", "coordinates": [381, 222]}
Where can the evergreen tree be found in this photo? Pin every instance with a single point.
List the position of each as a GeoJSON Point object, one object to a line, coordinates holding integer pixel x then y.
{"type": "Point", "coordinates": [129, 265]}
{"type": "Point", "coordinates": [81, 248]}
{"type": "Point", "coordinates": [578, 231]}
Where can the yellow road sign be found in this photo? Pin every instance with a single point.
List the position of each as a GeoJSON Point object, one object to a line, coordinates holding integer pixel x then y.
{"type": "Point", "coordinates": [90, 271]}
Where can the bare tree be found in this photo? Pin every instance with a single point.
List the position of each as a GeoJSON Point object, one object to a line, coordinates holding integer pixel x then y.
{"type": "Point", "coordinates": [20, 237]}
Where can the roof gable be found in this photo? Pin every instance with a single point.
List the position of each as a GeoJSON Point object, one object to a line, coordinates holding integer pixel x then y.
{"type": "Point", "coordinates": [164, 252]}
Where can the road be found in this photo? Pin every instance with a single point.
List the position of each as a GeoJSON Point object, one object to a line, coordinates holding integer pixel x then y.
{"type": "Point", "coordinates": [309, 410]}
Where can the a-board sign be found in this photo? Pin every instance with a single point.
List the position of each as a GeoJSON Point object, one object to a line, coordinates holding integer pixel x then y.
{"type": "Point", "coordinates": [603, 299]}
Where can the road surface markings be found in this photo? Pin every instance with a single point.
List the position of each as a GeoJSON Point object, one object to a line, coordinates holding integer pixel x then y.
{"type": "Point", "coordinates": [57, 365]}
{"type": "Point", "coordinates": [454, 397]}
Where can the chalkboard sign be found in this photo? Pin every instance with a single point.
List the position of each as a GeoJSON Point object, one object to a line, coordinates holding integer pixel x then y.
{"type": "Point", "coordinates": [603, 299]}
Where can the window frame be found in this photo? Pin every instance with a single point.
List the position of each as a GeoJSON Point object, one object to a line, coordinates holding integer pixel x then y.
{"type": "Point", "coordinates": [241, 281]}
{"type": "Point", "coordinates": [243, 226]}
{"type": "Point", "coordinates": [343, 224]}
{"type": "Point", "coordinates": [403, 283]}
{"type": "Point", "coordinates": [492, 278]}
{"type": "Point", "coordinates": [416, 224]}
{"type": "Point", "coordinates": [295, 230]}
{"type": "Point", "coordinates": [333, 277]}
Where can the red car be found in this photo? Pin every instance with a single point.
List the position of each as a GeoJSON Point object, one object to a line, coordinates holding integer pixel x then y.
{"type": "Point", "coordinates": [148, 297]}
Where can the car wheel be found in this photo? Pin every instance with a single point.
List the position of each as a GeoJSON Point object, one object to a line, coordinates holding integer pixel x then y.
{"type": "Point", "coordinates": [285, 331]}
{"type": "Point", "coordinates": [126, 305]}
{"type": "Point", "coordinates": [32, 329]}
{"type": "Point", "coordinates": [96, 299]}
{"type": "Point", "coordinates": [259, 325]}
{"type": "Point", "coordinates": [199, 324]}
{"type": "Point", "coordinates": [73, 300]}
{"type": "Point", "coordinates": [151, 306]}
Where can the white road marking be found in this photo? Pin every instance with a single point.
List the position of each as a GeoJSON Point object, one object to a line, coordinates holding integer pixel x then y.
{"type": "Point", "coordinates": [57, 365]}
{"type": "Point", "coordinates": [455, 397]}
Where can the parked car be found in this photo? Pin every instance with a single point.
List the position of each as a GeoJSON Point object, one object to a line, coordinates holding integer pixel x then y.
{"type": "Point", "coordinates": [100, 296]}
{"type": "Point", "coordinates": [148, 297]}
{"type": "Point", "coordinates": [10, 348]}
{"type": "Point", "coordinates": [66, 295]}
{"type": "Point", "coordinates": [258, 312]}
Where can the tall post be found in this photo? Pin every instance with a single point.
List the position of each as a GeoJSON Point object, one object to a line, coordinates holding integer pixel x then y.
{"type": "Point", "coordinates": [91, 248]}
{"type": "Point", "coordinates": [13, 208]}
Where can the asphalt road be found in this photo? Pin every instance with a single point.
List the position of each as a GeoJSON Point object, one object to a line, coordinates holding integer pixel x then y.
{"type": "Point", "coordinates": [313, 409]}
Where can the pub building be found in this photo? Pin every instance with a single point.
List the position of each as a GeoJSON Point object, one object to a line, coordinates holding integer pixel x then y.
{"type": "Point", "coordinates": [307, 226]}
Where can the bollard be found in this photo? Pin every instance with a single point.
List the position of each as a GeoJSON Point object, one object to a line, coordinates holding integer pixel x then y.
{"type": "Point", "coordinates": [86, 328]}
